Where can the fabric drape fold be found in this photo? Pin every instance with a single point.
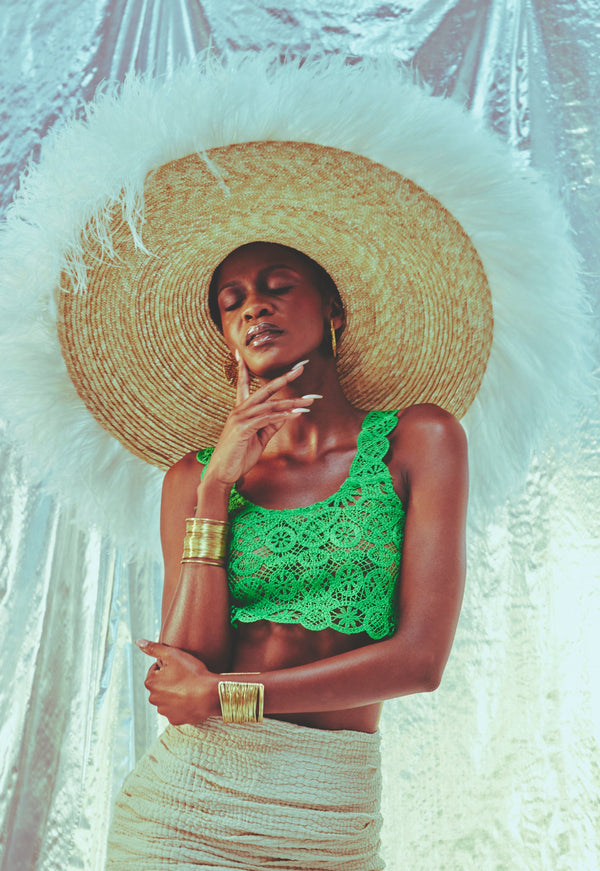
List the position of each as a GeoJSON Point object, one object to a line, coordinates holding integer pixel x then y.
{"type": "Point", "coordinates": [499, 767]}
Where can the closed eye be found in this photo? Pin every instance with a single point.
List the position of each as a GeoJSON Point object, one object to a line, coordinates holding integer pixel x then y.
{"type": "Point", "coordinates": [232, 305]}
{"type": "Point", "coordinates": [230, 299]}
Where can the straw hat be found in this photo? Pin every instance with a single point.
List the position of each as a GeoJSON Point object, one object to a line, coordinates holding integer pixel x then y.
{"type": "Point", "coordinates": [149, 363]}
{"type": "Point", "coordinates": [107, 251]}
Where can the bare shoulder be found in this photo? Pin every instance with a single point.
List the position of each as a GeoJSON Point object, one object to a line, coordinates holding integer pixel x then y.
{"type": "Point", "coordinates": [430, 423]}
{"type": "Point", "coordinates": [427, 438]}
{"type": "Point", "coordinates": [183, 475]}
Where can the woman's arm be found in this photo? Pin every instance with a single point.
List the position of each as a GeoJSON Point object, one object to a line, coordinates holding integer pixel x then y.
{"type": "Point", "coordinates": [431, 589]}
{"type": "Point", "coordinates": [195, 605]}
{"type": "Point", "coordinates": [195, 608]}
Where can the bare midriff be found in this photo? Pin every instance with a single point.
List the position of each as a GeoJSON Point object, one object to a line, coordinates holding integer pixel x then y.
{"type": "Point", "coordinates": [267, 646]}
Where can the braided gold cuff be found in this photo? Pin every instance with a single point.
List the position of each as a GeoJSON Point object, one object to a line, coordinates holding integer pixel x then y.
{"type": "Point", "coordinates": [241, 702]}
{"type": "Point", "coordinates": [205, 541]}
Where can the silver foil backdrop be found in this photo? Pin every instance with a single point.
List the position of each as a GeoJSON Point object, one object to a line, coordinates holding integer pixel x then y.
{"type": "Point", "coordinates": [499, 769]}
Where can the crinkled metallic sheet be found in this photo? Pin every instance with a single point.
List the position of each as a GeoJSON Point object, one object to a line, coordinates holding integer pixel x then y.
{"type": "Point", "coordinates": [499, 769]}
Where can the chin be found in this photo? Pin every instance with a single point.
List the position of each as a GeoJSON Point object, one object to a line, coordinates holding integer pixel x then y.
{"type": "Point", "coordinates": [268, 371]}
{"type": "Point", "coordinates": [270, 363]}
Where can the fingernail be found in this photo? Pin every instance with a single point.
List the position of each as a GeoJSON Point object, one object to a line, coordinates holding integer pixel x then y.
{"type": "Point", "coordinates": [237, 355]}
{"type": "Point", "coordinates": [312, 396]}
{"type": "Point", "coordinates": [300, 410]}
{"type": "Point", "coordinates": [297, 366]}
{"type": "Point", "coordinates": [141, 642]}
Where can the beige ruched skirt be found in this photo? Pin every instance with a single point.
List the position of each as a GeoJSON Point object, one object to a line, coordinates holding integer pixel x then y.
{"type": "Point", "coordinates": [256, 797]}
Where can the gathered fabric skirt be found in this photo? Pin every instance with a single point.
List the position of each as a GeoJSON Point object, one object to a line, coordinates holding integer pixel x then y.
{"type": "Point", "coordinates": [259, 797]}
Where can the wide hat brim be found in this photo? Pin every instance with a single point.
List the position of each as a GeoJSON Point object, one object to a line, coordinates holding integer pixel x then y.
{"type": "Point", "coordinates": [159, 392]}
{"type": "Point", "coordinates": [149, 363]}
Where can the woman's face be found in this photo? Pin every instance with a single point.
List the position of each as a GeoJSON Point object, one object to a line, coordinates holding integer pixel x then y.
{"type": "Point", "coordinates": [271, 308]}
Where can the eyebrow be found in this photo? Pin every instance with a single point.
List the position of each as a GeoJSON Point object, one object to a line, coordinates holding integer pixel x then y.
{"type": "Point", "coordinates": [262, 274]}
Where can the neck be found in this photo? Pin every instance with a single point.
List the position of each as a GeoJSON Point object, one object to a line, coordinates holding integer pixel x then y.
{"type": "Point", "coordinates": [329, 418]}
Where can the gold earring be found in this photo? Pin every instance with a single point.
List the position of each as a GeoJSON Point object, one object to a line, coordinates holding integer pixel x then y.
{"type": "Point", "coordinates": [231, 370]}
{"type": "Point", "coordinates": [333, 338]}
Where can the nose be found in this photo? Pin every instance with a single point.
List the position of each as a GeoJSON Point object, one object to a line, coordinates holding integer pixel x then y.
{"type": "Point", "coordinates": [256, 306]}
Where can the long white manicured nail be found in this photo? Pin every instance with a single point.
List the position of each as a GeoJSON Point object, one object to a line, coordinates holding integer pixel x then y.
{"type": "Point", "coordinates": [297, 366]}
{"type": "Point", "coordinates": [312, 396]}
{"type": "Point", "coordinates": [237, 355]}
{"type": "Point", "coordinates": [300, 410]}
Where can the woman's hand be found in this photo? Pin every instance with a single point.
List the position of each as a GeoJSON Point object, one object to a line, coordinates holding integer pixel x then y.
{"type": "Point", "coordinates": [181, 687]}
{"type": "Point", "coordinates": [252, 423]}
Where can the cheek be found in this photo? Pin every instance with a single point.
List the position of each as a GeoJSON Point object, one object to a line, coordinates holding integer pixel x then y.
{"type": "Point", "coordinates": [314, 329]}
{"type": "Point", "coordinates": [226, 331]}
{"type": "Point", "coordinates": [311, 308]}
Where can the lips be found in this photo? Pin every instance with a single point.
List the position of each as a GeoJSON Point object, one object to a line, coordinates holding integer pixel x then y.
{"type": "Point", "coordinates": [262, 330]}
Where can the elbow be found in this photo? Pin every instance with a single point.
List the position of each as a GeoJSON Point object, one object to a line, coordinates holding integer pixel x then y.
{"type": "Point", "coordinates": [418, 667]}
{"type": "Point", "coordinates": [424, 675]}
{"type": "Point", "coordinates": [431, 669]}
{"type": "Point", "coordinates": [431, 680]}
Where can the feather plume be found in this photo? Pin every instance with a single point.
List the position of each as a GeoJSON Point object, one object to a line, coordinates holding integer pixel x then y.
{"type": "Point", "coordinates": [539, 369]}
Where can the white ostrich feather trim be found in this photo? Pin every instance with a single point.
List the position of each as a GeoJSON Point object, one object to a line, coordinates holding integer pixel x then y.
{"type": "Point", "coordinates": [539, 360]}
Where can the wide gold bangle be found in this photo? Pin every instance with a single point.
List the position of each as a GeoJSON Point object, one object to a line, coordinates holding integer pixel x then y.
{"type": "Point", "coordinates": [241, 702]}
{"type": "Point", "coordinates": [205, 541]}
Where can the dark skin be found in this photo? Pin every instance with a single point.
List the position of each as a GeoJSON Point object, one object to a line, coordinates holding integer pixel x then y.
{"type": "Point", "coordinates": [285, 459]}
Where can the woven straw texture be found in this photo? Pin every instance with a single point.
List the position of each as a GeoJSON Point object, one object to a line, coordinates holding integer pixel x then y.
{"type": "Point", "coordinates": [274, 796]}
{"type": "Point", "coordinates": [149, 363]}
{"type": "Point", "coordinates": [93, 172]}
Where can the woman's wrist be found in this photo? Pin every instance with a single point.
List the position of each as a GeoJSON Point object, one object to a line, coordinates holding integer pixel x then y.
{"type": "Point", "coordinates": [241, 697]}
{"type": "Point", "coordinates": [213, 498]}
{"type": "Point", "coordinates": [203, 699]}
{"type": "Point", "coordinates": [205, 541]}
{"type": "Point", "coordinates": [215, 702]}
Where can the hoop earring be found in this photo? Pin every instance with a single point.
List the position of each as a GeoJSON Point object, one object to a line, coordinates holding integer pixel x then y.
{"type": "Point", "coordinates": [333, 338]}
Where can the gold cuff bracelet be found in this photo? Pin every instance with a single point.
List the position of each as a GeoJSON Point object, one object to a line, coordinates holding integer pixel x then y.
{"type": "Point", "coordinates": [205, 541]}
{"type": "Point", "coordinates": [241, 702]}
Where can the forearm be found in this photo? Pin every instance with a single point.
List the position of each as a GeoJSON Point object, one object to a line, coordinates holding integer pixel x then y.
{"type": "Point", "coordinates": [197, 618]}
{"type": "Point", "coordinates": [369, 674]}
{"type": "Point", "coordinates": [387, 669]}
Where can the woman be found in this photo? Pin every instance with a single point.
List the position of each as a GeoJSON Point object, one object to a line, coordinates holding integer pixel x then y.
{"type": "Point", "coordinates": [289, 446]}
{"type": "Point", "coordinates": [418, 247]}
{"type": "Point", "coordinates": [131, 209]}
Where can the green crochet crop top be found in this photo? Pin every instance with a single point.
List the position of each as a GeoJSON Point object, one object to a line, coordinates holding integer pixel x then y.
{"type": "Point", "coordinates": [333, 564]}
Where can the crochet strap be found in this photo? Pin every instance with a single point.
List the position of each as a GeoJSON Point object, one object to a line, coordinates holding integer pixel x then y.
{"type": "Point", "coordinates": [373, 444]}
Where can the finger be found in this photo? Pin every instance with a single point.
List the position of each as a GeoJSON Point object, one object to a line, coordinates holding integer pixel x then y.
{"type": "Point", "coordinates": [271, 426]}
{"type": "Point", "coordinates": [243, 380]}
{"type": "Point", "coordinates": [249, 415]}
{"type": "Point", "coordinates": [267, 432]}
{"type": "Point", "coordinates": [153, 648]}
{"type": "Point", "coordinates": [267, 417]}
{"type": "Point", "coordinates": [276, 384]}
{"type": "Point", "coordinates": [281, 380]}
{"type": "Point", "coordinates": [151, 673]}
